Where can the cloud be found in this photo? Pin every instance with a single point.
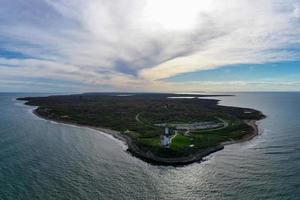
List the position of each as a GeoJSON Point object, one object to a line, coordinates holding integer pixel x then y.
{"type": "Point", "coordinates": [253, 33]}
{"type": "Point", "coordinates": [232, 86]}
{"type": "Point", "coordinates": [135, 44]}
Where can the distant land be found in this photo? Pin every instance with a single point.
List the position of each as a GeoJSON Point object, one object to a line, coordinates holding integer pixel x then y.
{"type": "Point", "coordinates": [160, 128]}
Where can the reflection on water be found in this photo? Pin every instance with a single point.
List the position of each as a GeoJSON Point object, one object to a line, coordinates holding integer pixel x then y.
{"type": "Point", "coordinates": [44, 160]}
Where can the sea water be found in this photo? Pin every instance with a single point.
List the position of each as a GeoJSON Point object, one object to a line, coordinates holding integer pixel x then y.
{"type": "Point", "coordinates": [43, 160]}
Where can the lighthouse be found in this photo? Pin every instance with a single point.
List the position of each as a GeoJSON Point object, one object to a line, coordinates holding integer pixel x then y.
{"type": "Point", "coordinates": [164, 139]}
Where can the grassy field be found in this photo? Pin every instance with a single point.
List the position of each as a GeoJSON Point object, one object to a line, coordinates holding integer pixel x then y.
{"type": "Point", "coordinates": [185, 144]}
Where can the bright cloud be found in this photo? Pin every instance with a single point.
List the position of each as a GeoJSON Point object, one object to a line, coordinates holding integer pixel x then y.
{"type": "Point", "coordinates": [136, 44]}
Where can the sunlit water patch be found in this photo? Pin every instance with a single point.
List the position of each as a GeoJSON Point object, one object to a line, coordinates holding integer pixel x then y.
{"type": "Point", "coordinates": [44, 160]}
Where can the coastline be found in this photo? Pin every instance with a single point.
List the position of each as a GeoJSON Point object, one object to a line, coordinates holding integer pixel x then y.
{"type": "Point", "coordinates": [247, 137]}
{"type": "Point", "coordinates": [149, 157]}
{"type": "Point", "coordinates": [105, 131]}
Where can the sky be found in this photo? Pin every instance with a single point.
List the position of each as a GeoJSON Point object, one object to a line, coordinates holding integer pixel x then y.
{"type": "Point", "coordinates": [149, 45]}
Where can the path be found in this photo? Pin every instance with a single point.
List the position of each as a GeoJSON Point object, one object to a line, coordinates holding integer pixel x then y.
{"type": "Point", "coordinates": [137, 118]}
{"type": "Point", "coordinates": [173, 137]}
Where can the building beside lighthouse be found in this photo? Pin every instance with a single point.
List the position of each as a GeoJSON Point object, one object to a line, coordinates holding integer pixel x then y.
{"type": "Point", "coordinates": [164, 138]}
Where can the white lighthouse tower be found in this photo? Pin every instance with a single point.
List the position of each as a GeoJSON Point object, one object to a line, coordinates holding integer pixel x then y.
{"type": "Point", "coordinates": [165, 140]}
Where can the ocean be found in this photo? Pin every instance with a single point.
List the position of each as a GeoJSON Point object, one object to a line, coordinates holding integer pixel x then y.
{"type": "Point", "coordinates": [44, 160]}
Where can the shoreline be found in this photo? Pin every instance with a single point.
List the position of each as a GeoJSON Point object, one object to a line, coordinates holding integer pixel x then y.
{"type": "Point", "coordinates": [149, 157]}
{"type": "Point", "coordinates": [104, 131]}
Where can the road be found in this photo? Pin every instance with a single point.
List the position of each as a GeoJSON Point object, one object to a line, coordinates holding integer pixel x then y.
{"type": "Point", "coordinates": [225, 125]}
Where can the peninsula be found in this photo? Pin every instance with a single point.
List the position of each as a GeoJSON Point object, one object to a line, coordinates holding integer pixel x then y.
{"type": "Point", "coordinates": [166, 129]}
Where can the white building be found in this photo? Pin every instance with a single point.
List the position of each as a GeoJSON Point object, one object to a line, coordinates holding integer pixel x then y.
{"type": "Point", "coordinates": [164, 138]}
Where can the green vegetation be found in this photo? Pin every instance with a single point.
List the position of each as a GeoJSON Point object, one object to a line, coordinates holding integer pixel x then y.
{"type": "Point", "coordinates": [136, 115]}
